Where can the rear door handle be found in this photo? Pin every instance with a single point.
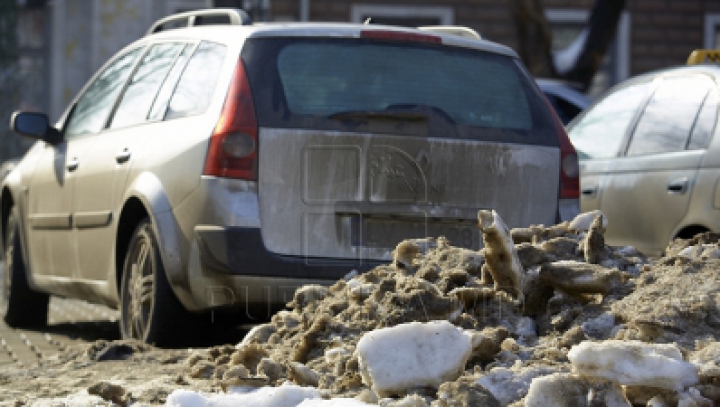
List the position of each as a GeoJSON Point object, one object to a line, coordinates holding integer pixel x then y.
{"type": "Point", "coordinates": [123, 156]}
{"type": "Point", "coordinates": [590, 191]}
{"type": "Point", "coordinates": [678, 186]}
{"type": "Point", "coordinates": [72, 165]}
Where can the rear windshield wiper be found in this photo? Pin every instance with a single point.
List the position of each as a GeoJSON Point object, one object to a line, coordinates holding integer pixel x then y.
{"type": "Point", "coordinates": [379, 115]}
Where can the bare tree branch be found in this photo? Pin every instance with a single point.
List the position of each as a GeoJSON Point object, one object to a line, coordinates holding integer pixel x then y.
{"type": "Point", "coordinates": [535, 37]}
{"type": "Point", "coordinates": [601, 26]}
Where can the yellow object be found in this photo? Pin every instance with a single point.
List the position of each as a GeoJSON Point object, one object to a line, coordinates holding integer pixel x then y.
{"type": "Point", "coordinates": [700, 56]}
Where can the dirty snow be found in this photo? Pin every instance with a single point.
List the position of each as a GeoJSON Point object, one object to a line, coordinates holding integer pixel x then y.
{"type": "Point", "coordinates": [580, 323]}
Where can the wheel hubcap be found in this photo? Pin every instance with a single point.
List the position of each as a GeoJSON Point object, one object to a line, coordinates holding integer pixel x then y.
{"type": "Point", "coordinates": [140, 289]}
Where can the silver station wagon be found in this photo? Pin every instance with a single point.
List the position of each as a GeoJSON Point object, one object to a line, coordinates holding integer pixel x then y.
{"type": "Point", "coordinates": [221, 164]}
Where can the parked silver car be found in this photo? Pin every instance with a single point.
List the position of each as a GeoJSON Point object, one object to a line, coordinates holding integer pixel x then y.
{"type": "Point", "coordinates": [219, 167]}
{"type": "Point", "coordinates": [649, 160]}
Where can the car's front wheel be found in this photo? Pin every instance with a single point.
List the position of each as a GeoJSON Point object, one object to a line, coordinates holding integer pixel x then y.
{"type": "Point", "coordinates": [149, 310]}
{"type": "Point", "coordinates": [20, 306]}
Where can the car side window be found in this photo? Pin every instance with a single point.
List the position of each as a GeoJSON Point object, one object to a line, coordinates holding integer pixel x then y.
{"type": "Point", "coordinates": [194, 91]}
{"type": "Point", "coordinates": [601, 131]}
{"type": "Point", "coordinates": [144, 85]}
{"type": "Point", "coordinates": [93, 107]}
{"type": "Point", "coordinates": [705, 123]}
{"type": "Point", "coordinates": [166, 90]}
{"type": "Point", "coordinates": [668, 118]}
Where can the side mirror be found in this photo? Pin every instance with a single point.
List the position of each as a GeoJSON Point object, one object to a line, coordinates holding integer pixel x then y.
{"type": "Point", "coordinates": [36, 126]}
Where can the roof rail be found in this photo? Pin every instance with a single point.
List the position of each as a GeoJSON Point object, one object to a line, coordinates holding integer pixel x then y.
{"type": "Point", "coordinates": [452, 29]}
{"type": "Point", "coordinates": [190, 18]}
{"type": "Point", "coordinates": [700, 56]}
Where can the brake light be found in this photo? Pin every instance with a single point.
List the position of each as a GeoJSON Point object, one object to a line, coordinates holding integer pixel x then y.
{"type": "Point", "coordinates": [569, 166]}
{"type": "Point", "coordinates": [400, 36]}
{"type": "Point", "coordinates": [233, 150]}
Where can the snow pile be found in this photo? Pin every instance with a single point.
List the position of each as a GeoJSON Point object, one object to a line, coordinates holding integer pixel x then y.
{"type": "Point", "coordinates": [439, 318]}
{"type": "Point", "coordinates": [542, 316]}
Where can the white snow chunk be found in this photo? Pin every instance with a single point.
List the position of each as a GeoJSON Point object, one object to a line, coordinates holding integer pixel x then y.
{"type": "Point", "coordinates": [705, 250]}
{"type": "Point", "coordinates": [338, 402]}
{"type": "Point", "coordinates": [582, 221]}
{"type": "Point", "coordinates": [691, 251]}
{"type": "Point", "coordinates": [526, 328]}
{"type": "Point", "coordinates": [287, 395]}
{"type": "Point", "coordinates": [334, 353]}
{"type": "Point", "coordinates": [395, 359]}
{"type": "Point", "coordinates": [81, 399]}
{"type": "Point", "coordinates": [634, 363]}
{"type": "Point", "coordinates": [349, 276]}
{"type": "Point", "coordinates": [599, 327]}
{"type": "Point", "coordinates": [563, 390]}
{"type": "Point", "coordinates": [509, 386]}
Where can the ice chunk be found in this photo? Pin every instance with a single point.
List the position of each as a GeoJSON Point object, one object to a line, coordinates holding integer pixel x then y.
{"type": "Point", "coordinates": [349, 276]}
{"type": "Point", "coordinates": [509, 385]}
{"type": "Point", "coordinates": [583, 221]}
{"type": "Point", "coordinates": [564, 390]}
{"type": "Point", "coordinates": [710, 251]}
{"type": "Point", "coordinates": [395, 359]}
{"type": "Point", "coordinates": [287, 395]}
{"type": "Point", "coordinates": [81, 399]}
{"type": "Point", "coordinates": [339, 402]}
{"type": "Point", "coordinates": [599, 327]}
{"type": "Point", "coordinates": [501, 259]}
{"type": "Point", "coordinates": [634, 363]}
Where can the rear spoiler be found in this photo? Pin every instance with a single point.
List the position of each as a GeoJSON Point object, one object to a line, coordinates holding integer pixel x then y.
{"type": "Point", "coordinates": [452, 29]}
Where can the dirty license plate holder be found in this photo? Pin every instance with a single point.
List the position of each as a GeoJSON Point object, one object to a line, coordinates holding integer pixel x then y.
{"type": "Point", "coordinates": [387, 233]}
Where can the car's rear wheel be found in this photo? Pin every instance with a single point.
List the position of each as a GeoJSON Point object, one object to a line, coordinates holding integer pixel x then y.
{"type": "Point", "coordinates": [150, 312]}
{"type": "Point", "coordinates": [20, 306]}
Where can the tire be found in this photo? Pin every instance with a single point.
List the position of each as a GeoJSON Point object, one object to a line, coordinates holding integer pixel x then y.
{"type": "Point", "coordinates": [149, 310]}
{"type": "Point", "coordinates": [20, 306]}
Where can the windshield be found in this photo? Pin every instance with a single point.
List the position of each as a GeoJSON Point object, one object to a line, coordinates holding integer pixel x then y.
{"type": "Point", "coordinates": [365, 85]}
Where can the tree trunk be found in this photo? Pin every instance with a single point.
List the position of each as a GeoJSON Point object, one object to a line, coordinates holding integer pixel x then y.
{"type": "Point", "coordinates": [535, 37]}
{"type": "Point", "coordinates": [535, 40]}
{"type": "Point", "coordinates": [601, 26]}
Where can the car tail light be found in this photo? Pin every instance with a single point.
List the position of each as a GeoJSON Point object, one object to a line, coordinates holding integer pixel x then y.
{"type": "Point", "coordinates": [400, 36]}
{"type": "Point", "coordinates": [233, 151]}
{"type": "Point", "coordinates": [569, 166]}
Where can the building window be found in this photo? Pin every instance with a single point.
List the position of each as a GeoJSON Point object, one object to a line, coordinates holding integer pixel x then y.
{"type": "Point", "coordinates": [712, 31]}
{"type": "Point", "coordinates": [407, 16]}
{"type": "Point", "coordinates": [568, 24]}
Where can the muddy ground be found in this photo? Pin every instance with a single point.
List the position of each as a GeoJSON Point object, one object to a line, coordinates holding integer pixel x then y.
{"type": "Point", "coordinates": [567, 288]}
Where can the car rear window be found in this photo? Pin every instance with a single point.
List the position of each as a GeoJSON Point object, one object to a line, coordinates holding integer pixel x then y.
{"type": "Point", "coordinates": [401, 88]}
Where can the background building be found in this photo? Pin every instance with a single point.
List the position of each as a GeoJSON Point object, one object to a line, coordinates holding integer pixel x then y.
{"type": "Point", "coordinates": [58, 44]}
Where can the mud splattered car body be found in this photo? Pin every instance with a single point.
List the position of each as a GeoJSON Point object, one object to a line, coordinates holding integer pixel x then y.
{"type": "Point", "coordinates": [222, 166]}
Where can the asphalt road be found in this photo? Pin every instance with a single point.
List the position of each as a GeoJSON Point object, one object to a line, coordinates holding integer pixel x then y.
{"type": "Point", "coordinates": [72, 322]}
{"type": "Point", "coordinates": [69, 322]}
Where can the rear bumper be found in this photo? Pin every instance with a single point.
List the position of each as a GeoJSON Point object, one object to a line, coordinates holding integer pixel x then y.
{"type": "Point", "coordinates": [231, 267]}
